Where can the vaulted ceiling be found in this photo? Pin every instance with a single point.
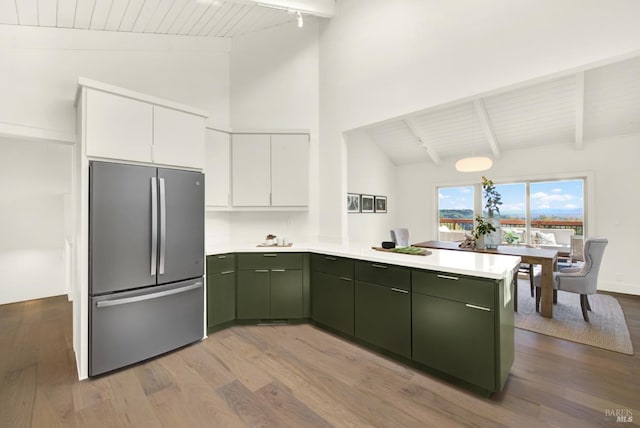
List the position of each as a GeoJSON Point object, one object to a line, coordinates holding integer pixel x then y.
{"type": "Point", "coordinates": [208, 18]}
{"type": "Point", "coordinates": [572, 110]}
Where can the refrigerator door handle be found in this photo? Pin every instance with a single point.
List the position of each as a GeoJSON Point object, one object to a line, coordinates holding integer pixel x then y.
{"type": "Point", "coordinates": [154, 225]}
{"type": "Point", "coordinates": [106, 303]}
{"type": "Point", "coordinates": [163, 226]}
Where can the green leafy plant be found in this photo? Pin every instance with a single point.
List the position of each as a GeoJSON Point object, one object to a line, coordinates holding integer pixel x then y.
{"type": "Point", "coordinates": [482, 228]}
{"type": "Point", "coordinates": [491, 196]}
{"type": "Point", "coordinates": [511, 237]}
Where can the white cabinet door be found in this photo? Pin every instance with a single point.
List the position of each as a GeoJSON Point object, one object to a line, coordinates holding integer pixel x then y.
{"type": "Point", "coordinates": [251, 170]}
{"type": "Point", "coordinates": [217, 170]}
{"type": "Point", "coordinates": [289, 170]}
{"type": "Point", "coordinates": [178, 138]}
{"type": "Point", "coordinates": [118, 127]}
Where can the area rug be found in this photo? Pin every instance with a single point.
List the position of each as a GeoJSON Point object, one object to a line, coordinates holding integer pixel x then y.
{"type": "Point", "coordinates": [607, 329]}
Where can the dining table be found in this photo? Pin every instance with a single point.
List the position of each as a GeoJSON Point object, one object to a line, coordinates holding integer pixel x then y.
{"type": "Point", "coordinates": [546, 258]}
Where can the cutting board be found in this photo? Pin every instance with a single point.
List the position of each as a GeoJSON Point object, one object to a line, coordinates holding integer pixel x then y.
{"type": "Point", "coordinates": [414, 251]}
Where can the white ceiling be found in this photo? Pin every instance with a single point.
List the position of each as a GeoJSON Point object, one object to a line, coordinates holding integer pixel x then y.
{"type": "Point", "coordinates": [572, 110]}
{"type": "Point", "coordinates": [208, 18]}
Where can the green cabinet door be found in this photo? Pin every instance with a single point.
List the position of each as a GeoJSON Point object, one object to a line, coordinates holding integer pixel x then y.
{"type": "Point", "coordinates": [221, 298]}
{"type": "Point", "coordinates": [286, 294]}
{"type": "Point", "coordinates": [253, 294]}
{"type": "Point", "coordinates": [455, 338]}
{"type": "Point", "coordinates": [383, 317]}
{"type": "Point", "coordinates": [332, 301]}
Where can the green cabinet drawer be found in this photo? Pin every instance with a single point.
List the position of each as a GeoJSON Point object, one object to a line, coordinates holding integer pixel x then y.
{"type": "Point", "coordinates": [338, 266]}
{"type": "Point", "coordinates": [250, 261]}
{"type": "Point", "coordinates": [253, 294]}
{"type": "Point", "coordinates": [460, 288]}
{"type": "Point", "coordinates": [383, 274]}
{"type": "Point", "coordinates": [221, 298]}
{"type": "Point", "coordinates": [383, 317]}
{"type": "Point", "coordinates": [286, 294]}
{"type": "Point", "coordinates": [332, 301]}
{"type": "Point", "coordinates": [221, 263]}
{"type": "Point", "coordinates": [454, 338]}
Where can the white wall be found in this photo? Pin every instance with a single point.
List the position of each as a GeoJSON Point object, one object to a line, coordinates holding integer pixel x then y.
{"type": "Point", "coordinates": [35, 178]}
{"type": "Point", "coordinates": [274, 85]}
{"type": "Point", "coordinates": [611, 163]}
{"type": "Point", "coordinates": [381, 59]}
{"type": "Point", "coordinates": [370, 171]}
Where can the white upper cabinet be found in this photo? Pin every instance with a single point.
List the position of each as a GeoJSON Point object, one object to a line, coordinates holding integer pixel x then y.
{"type": "Point", "coordinates": [178, 138]}
{"type": "Point", "coordinates": [251, 166]}
{"type": "Point", "coordinates": [125, 125]}
{"type": "Point", "coordinates": [217, 169]}
{"type": "Point", "coordinates": [270, 170]}
{"type": "Point", "coordinates": [289, 170]}
{"type": "Point", "coordinates": [118, 127]}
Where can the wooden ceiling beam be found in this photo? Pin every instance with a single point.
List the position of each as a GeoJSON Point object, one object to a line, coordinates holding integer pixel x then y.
{"type": "Point", "coordinates": [424, 141]}
{"type": "Point", "coordinates": [579, 110]}
{"type": "Point", "coordinates": [485, 124]}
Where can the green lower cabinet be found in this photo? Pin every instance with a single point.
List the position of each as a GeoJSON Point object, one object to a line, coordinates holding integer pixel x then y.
{"type": "Point", "coordinates": [221, 298]}
{"type": "Point", "coordinates": [383, 317]}
{"type": "Point", "coordinates": [253, 294]}
{"type": "Point", "coordinates": [455, 338]}
{"type": "Point", "coordinates": [332, 301]}
{"type": "Point", "coordinates": [286, 294]}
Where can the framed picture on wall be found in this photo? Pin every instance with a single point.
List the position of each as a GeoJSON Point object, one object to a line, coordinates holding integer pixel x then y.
{"type": "Point", "coordinates": [366, 203]}
{"type": "Point", "coordinates": [381, 204]}
{"type": "Point", "coordinates": [353, 203]}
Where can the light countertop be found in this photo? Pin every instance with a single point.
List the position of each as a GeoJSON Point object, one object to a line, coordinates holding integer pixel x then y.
{"type": "Point", "coordinates": [456, 262]}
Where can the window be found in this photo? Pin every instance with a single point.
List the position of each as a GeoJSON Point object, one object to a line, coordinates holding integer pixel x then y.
{"type": "Point", "coordinates": [455, 212]}
{"type": "Point", "coordinates": [543, 213]}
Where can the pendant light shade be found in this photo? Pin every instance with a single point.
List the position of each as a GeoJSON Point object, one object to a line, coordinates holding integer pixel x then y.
{"type": "Point", "coordinates": [474, 164]}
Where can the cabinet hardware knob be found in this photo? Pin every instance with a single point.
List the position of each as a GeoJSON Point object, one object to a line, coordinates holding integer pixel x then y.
{"type": "Point", "coordinates": [379, 266]}
{"type": "Point", "coordinates": [333, 259]}
{"type": "Point", "coordinates": [399, 290]}
{"type": "Point", "coordinates": [482, 308]}
{"type": "Point", "coordinates": [222, 257]}
{"type": "Point", "coordinates": [262, 270]}
{"type": "Point", "coordinates": [270, 255]}
{"type": "Point", "coordinates": [455, 278]}
{"type": "Point", "coordinates": [277, 270]}
{"type": "Point", "coordinates": [226, 272]}
{"type": "Point", "coordinates": [344, 278]}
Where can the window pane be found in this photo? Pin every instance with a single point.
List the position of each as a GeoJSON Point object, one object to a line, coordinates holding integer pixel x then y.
{"type": "Point", "coordinates": [556, 205]}
{"type": "Point", "coordinates": [455, 211]}
{"type": "Point", "coordinates": [513, 220]}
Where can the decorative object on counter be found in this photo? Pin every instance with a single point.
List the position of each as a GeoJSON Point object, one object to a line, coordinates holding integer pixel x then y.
{"type": "Point", "coordinates": [270, 239]}
{"type": "Point", "coordinates": [468, 242]}
{"type": "Point", "coordinates": [511, 237]}
{"type": "Point", "coordinates": [273, 241]}
{"type": "Point", "coordinates": [353, 203]}
{"type": "Point", "coordinates": [289, 244]}
{"type": "Point", "coordinates": [367, 205]}
{"type": "Point", "coordinates": [380, 204]}
{"type": "Point", "coordinates": [400, 237]}
{"type": "Point", "coordinates": [482, 229]}
{"type": "Point", "coordinates": [388, 244]}
{"type": "Point", "coordinates": [414, 251]}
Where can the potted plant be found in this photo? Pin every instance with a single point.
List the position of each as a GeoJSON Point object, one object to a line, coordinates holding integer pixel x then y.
{"type": "Point", "coordinates": [511, 237]}
{"type": "Point", "coordinates": [482, 229]}
{"type": "Point", "coordinates": [492, 204]}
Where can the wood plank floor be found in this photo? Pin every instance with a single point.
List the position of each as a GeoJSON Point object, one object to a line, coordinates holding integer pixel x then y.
{"type": "Point", "coordinates": [300, 376]}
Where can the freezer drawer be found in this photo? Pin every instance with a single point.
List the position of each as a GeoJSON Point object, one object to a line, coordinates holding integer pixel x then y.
{"type": "Point", "coordinates": [132, 326]}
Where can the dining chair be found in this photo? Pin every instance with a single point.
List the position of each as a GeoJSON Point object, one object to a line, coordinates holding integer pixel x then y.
{"type": "Point", "coordinates": [583, 279]}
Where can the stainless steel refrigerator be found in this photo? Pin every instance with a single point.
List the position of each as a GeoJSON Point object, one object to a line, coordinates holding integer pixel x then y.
{"type": "Point", "coordinates": [146, 262]}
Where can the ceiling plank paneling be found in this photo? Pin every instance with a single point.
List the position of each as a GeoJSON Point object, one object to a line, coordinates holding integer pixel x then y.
{"type": "Point", "coordinates": [250, 21]}
{"type": "Point", "coordinates": [47, 13]}
{"type": "Point", "coordinates": [100, 14]}
{"type": "Point", "coordinates": [423, 140]}
{"type": "Point", "coordinates": [203, 20]}
{"type": "Point", "coordinates": [147, 12]}
{"type": "Point", "coordinates": [158, 16]}
{"type": "Point", "coordinates": [66, 13]}
{"type": "Point", "coordinates": [27, 12]}
{"type": "Point", "coordinates": [83, 14]}
{"type": "Point", "coordinates": [485, 124]}
{"type": "Point", "coordinates": [190, 18]}
{"type": "Point", "coordinates": [579, 110]}
{"type": "Point", "coordinates": [214, 18]}
{"type": "Point", "coordinates": [176, 10]}
{"type": "Point", "coordinates": [116, 14]}
{"type": "Point", "coordinates": [216, 30]}
{"type": "Point", "coordinates": [232, 23]}
{"type": "Point", "coordinates": [133, 11]}
{"type": "Point", "coordinates": [8, 12]}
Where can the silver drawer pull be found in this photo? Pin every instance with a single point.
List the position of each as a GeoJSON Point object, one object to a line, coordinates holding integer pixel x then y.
{"type": "Point", "coordinates": [399, 290]}
{"type": "Point", "coordinates": [270, 255]}
{"type": "Point", "coordinates": [482, 308]}
{"type": "Point", "coordinates": [333, 259]}
{"type": "Point", "coordinates": [262, 270]}
{"type": "Point", "coordinates": [226, 272]}
{"type": "Point", "coordinates": [455, 278]}
{"type": "Point", "coordinates": [277, 270]}
{"type": "Point", "coordinates": [344, 278]}
{"type": "Point", "coordinates": [143, 297]}
{"type": "Point", "coordinates": [222, 257]}
{"type": "Point", "coordinates": [379, 266]}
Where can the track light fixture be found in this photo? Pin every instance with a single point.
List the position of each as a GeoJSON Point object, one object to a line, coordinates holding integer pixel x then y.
{"type": "Point", "coordinates": [300, 21]}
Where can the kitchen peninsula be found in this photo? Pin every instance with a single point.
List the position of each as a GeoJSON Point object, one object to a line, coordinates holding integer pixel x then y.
{"type": "Point", "coordinates": [448, 313]}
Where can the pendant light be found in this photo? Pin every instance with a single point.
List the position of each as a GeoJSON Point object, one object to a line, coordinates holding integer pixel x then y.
{"type": "Point", "coordinates": [474, 164]}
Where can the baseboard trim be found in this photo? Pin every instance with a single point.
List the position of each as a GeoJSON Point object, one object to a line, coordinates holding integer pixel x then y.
{"type": "Point", "coordinates": [619, 287]}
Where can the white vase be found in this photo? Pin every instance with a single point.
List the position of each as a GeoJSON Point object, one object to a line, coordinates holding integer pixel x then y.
{"type": "Point", "coordinates": [493, 239]}
{"type": "Point", "coordinates": [480, 242]}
